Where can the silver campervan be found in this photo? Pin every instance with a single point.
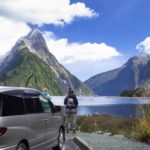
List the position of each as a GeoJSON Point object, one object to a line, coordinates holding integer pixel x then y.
{"type": "Point", "coordinates": [29, 121]}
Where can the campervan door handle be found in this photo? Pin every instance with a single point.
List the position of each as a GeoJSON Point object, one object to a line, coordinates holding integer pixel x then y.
{"type": "Point", "coordinates": [46, 120]}
{"type": "Point", "coordinates": [43, 121]}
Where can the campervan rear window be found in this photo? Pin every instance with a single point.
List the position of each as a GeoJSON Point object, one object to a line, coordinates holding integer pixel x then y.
{"type": "Point", "coordinates": [11, 105]}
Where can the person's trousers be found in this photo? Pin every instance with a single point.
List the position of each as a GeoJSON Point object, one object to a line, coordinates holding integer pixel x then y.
{"type": "Point", "coordinates": [70, 121]}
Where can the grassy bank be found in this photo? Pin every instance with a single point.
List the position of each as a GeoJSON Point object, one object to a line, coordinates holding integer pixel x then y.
{"type": "Point", "coordinates": [105, 123]}
{"type": "Point", "coordinates": [141, 130]}
{"type": "Point", "coordinates": [138, 129]}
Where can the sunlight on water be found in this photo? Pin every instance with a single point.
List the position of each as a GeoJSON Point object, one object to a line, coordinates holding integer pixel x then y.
{"type": "Point", "coordinates": [114, 106]}
{"type": "Point", "coordinates": [102, 100]}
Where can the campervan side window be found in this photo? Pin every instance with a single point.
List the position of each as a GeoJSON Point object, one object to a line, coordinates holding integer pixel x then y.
{"type": "Point", "coordinates": [33, 105]}
{"type": "Point", "coordinates": [0, 105]}
{"type": "Point", "coordinates": [11, 105]}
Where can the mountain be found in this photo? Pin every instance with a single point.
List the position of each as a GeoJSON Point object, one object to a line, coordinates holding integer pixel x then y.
{"type": "Point", "coordinates": [30, 63]}
{"type": "Point", "coordinates": [133, 74]}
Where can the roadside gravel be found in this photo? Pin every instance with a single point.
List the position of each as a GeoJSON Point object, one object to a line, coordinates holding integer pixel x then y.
{"type": "Point", "coordinates": [108, 142]}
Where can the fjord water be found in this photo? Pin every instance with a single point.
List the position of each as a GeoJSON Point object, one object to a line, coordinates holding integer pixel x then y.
{"type": "Point", "coordinates": [114, 106]}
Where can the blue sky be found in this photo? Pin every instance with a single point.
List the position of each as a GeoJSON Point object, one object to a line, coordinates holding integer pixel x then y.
{"type": "Point", "coordinates": [121, 23]}
{"type": "Point", "coordinates": [87, 36]}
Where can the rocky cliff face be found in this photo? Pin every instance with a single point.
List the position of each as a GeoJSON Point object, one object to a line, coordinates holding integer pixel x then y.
{"type": "Point", "coordinates": [30, 63]}
{"type": "Point", "coordinates": [133, 74]}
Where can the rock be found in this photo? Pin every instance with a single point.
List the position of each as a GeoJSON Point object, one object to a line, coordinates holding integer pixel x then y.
{"type": "Point", "coordinates": [100, 132]}
{"type": "Point", "coordinates": [118, 135]}
{"type": "Point", "coordinates": [108, 134]}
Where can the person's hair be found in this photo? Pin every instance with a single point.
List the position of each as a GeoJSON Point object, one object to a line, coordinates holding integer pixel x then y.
{"type": "Point", "coordinates": [70, 89]}
{"type": "Point", "coordinates": [45, 90]}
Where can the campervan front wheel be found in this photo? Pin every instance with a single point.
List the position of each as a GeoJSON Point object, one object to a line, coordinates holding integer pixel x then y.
{"type": "Point", "coordinates": [21, 146]}
{"type": "Point", "coordinates": [61, 140]}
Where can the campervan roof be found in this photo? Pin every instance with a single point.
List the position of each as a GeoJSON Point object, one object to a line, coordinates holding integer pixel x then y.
{"type": "Point", "coordinates": [5, 88]}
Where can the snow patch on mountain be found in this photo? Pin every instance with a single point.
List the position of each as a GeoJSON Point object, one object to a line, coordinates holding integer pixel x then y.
{"type": "Point", "coordinates": [54, 70]}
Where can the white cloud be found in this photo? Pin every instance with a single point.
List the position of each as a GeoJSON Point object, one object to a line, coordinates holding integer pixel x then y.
{"type": "Point", "coordinates": [67, 52]}
{"type": "Point", "coordinates": [14, 16]}
{"type": "Point", "coordinates": [10, 32]}
{"type": "Point", "coordinates": [144, 46]}
{"type": "Point", "coordinates": [41, 12]}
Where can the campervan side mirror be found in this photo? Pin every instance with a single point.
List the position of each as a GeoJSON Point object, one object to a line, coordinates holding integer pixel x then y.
{"type": "Point", "coordinates": [57, 109]}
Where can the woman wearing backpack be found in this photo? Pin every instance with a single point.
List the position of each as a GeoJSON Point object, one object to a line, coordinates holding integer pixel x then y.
{"type": "Point", "coordinates": [71, 104]}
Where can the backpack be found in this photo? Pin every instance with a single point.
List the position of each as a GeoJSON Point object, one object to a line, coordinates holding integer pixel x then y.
{"type": "Point", "coordinates": [70, 107]}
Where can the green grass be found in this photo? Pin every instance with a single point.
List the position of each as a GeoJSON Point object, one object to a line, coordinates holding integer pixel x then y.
{"type": "Point", "coordinates": [105, 123]}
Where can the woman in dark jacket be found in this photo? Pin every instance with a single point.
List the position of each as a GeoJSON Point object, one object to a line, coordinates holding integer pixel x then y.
{"type": "Point", "coordinates": [71, 103]}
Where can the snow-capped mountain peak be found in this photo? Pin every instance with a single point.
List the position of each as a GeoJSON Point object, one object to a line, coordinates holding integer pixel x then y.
{"type": "Point", "coordinates": [36, 41]}
{"type": "Point", "coordinates": [33, 42]}
{"type": "Point", "coordinates": [22, 62]}
{"type": "Point", "coordinates": [35, 34]}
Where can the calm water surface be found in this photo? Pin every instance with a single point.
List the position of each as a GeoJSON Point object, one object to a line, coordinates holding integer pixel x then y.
{"type": "Point", "coordinates": [114, 106]}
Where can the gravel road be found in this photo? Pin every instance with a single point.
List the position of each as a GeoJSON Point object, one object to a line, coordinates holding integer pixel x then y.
{"type": "Point", "coordinates": [106, 142]}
